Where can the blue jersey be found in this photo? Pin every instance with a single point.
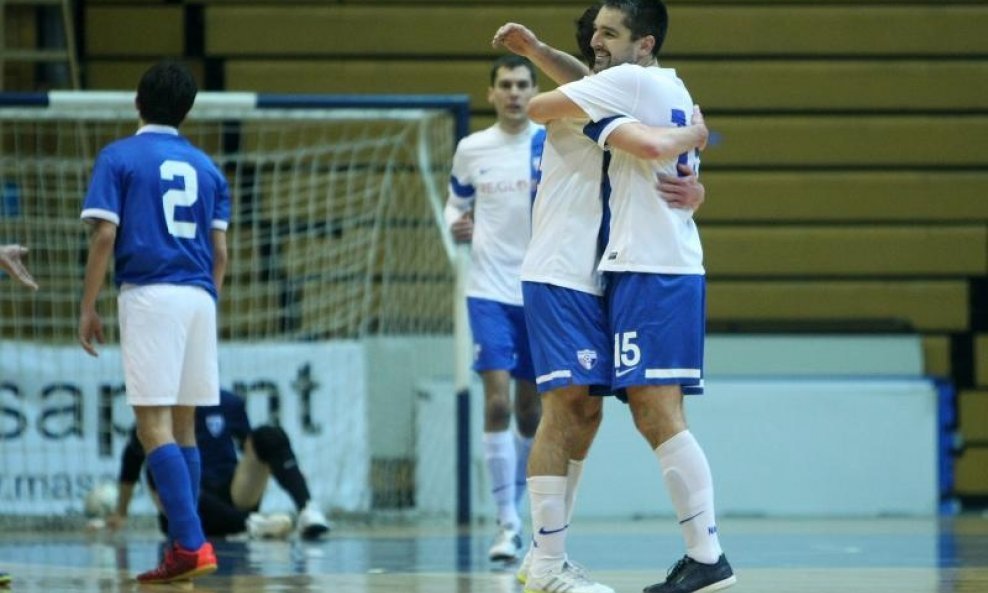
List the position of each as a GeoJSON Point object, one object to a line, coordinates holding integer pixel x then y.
{"type": "Point", "coordinates": [165, 196]}
{"type": "Point", "coordinates": [219, 430]}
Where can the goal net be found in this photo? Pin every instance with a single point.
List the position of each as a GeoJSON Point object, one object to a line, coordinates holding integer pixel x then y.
{"type": "Point", "coordinates": [338, 296]}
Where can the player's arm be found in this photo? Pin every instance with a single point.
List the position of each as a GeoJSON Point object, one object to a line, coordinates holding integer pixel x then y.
{"type": "Point", "coordinates": [101, 239]}
{"type": "Point", "coordinates": [11, 262]}
{"type": "Point", "coordinates": [458, 212]}
{"type": "Point", "coordinates": [557, 65]}
{"type": "Point", "coordinates": [657, 144]}
{"type": "Point", "coordinates": [683, 191]}
{"type": "Point", "coordinates": [131, 462]}
{"type": "Point", "coordinates": [460, 222]}
{"type": "Point", "coordinates": [220, 258]}
{"type": "Point", "coordinates": [650, 143]}
{"type": "Point", "coordinates": [552, 105]}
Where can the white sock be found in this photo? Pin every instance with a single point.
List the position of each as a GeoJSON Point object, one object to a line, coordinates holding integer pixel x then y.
{"type": "Point", "coordinates": [548, 501]}
{"type": "Point", "coordinates": [688, 480]}
{"type": "Point", "coordinates": [523, 446]}
{"type": "Point", "coordinates": [499, 453]}
{"type": "Point", "coordinates": [573, 472]}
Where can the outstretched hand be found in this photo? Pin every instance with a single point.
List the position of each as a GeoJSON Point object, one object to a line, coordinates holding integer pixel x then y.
{"type": "Point", "coordinates": [517, 39]}
{"type": "Point", "coordinates": [10, 261]}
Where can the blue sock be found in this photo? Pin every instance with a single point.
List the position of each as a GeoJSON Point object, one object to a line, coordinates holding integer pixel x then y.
{"type": "Point", "coordinates": [171, 476]}
{"type": "Point", "coordinates": [193, 462]}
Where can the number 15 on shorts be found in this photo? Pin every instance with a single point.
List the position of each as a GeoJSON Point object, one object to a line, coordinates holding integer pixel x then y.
{"type": "Point", "coordinates": [626, 351]}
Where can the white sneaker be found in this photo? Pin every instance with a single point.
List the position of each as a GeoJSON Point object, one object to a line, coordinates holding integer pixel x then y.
{"type": "Point", "coordinates": [312, 523]}
{"type": "Point", "coordinates": [526, 565]}
{"type": "Point", "coordinates": [506, 546]}
{"type": "Point", "coordinates": [569, 579]}
{"type": "Point", "coordinates": [273, 526]}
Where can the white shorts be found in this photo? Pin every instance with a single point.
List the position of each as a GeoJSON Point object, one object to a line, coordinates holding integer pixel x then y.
{"type": "Point", "coordinates": [168, 345]}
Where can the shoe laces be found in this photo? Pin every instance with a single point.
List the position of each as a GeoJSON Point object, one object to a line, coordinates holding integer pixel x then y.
{"type": "Point", "coordinates": [164, 569]}
{"type": "Point", "coordinates": [578, 573]}
{"type": "Point", "coordinates": [576, 568]}
{"type": "Point", "coordinates": [678, 567]}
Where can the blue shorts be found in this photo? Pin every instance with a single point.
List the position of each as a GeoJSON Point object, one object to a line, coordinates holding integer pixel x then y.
{"type": "Point", "coordinates": [658, 323]}
{"type": "Point", "coordinates": [568, 333]}
{"type": "Point", "coordinates": [500, 340]}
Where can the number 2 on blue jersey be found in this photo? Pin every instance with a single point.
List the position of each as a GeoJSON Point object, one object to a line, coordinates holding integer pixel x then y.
{"type": "Point", "coordinates": [174, 198]}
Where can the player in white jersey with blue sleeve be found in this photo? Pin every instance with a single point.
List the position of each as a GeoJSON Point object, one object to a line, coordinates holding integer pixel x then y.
{"type": "Point", "coordinates": [161, 207]}
{"type": "Point", "coordinates": [654, 266]}
{"type": "Point", "coordinates": [490, 202]}
{"type": "Point", "coordinates": [565, 311]}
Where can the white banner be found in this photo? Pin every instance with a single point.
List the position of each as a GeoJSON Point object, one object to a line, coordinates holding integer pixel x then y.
{"type": "Point", "coordinates": [64, 420]}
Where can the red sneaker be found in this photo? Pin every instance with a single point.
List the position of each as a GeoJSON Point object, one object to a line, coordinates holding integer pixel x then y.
{"type": "Point", "coordinates": [181, 565]}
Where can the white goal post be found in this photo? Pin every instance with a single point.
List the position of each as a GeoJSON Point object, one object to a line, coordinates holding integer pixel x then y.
{"type": "Point", "coordinates": [337, 239]}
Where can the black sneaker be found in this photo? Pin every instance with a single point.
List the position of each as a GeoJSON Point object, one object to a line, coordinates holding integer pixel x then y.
{"type": "Point", "coordinates": [690, 576]}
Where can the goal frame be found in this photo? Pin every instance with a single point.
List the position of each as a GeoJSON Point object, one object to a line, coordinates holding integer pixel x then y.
{"type": "Point", "coordinates": [69, 105]}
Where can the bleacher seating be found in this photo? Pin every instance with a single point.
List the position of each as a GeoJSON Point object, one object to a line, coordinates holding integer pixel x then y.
{"type": "Point", "coordinates": [847, 179]}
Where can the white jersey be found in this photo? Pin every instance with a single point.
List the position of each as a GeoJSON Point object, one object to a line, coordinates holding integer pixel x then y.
{"type": "Point", "coordinates": [646, 235]}
{"type": "Point", "coordinates": [494, 174]}
{"type": "Point", "coordinates": [568, 213]}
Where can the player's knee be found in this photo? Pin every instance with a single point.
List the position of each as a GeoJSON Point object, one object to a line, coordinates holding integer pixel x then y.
{"type": "Point", "coordinates": [271, 444]}
{"type": "Point", "coordinates": [528, 421]}
{"type": "Point", "coordinates": [498, 410]}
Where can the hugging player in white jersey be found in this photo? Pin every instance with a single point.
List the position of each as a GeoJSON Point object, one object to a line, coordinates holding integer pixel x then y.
{"type": "Point", "coordinates": [654, 265]}
{"type": "Point", "coordinates": [565, 310]}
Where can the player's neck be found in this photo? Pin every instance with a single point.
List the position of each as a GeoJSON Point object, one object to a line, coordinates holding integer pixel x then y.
{"type": "Point", "coordinates": [513, 127]}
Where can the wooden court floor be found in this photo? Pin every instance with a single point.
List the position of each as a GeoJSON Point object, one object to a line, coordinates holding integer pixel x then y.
{"type": "Point", "coordinates": [895, 555]}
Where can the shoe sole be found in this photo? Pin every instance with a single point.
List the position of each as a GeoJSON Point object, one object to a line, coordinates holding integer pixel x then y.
{"type": "Point", "coordinates": [719, 585]}
{"type": "Point", "coordinates": [502, 557]}
{"type": "Point", "coordinates": [314, 532]}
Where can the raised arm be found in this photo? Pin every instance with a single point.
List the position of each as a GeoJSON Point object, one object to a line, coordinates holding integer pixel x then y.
{"type": "Point", "coordinates": [557, 65]}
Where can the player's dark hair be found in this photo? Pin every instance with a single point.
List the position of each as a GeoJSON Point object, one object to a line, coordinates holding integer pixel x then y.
{"type": "Point", "coordinates": [511, 61]}
{"type": "Point", "coordinates": [644, 17]}
{"type": "Point", "coordinates": [166, 93]}
{"type": "Point", "coordinates": [584, 33]}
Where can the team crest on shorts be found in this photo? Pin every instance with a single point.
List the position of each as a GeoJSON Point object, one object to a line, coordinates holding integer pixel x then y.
{"type": "Point", "coordinates": [587, 358]}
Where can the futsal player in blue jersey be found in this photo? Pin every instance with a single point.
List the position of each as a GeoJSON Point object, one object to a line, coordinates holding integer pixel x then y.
{"type": "Point", "coordinates": [161, 207]}
{"type": "Point", "coordinates": [232, 484]}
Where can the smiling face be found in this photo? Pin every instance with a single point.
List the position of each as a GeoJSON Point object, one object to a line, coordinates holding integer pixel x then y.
{"type": "Point", "coordinates": [513, 89]}
{"type": "Point", "coordinates": [612, 42]}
